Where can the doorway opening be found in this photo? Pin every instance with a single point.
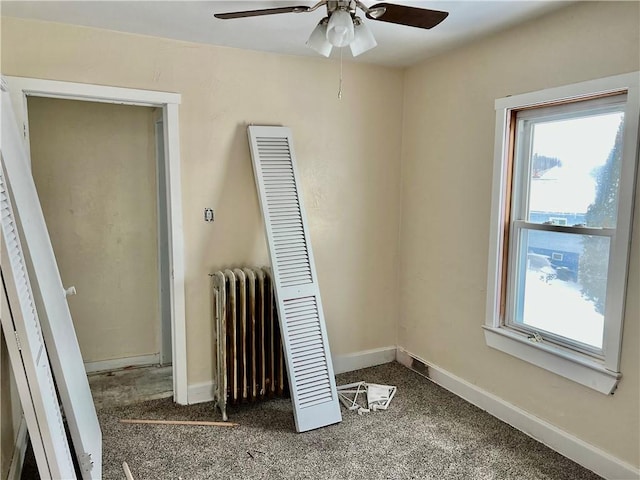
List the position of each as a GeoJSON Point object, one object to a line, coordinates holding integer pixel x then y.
{"type": "Point", "coordinates": [105, 161]}
{"type": "Point", "coordinates": [97, 168]}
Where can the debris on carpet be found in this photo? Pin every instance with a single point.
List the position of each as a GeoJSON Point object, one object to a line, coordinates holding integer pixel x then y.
{"type": "Point", "coordinates": [374, 396]}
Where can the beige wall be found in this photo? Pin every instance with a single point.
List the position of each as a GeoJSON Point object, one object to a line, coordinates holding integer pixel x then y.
{"type": "Point", "coordinates": [94, 168]}
{"type": "Point", "coordinates": [348, 153]}
{"type": "Point", "coordinates": [448, 139]}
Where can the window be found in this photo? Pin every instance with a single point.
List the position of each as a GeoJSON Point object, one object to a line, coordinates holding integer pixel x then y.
{"type": "Point", "coordinates": [564, 175]}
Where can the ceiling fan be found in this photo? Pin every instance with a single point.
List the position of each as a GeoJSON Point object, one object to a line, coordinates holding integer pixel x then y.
{"type": "Point", "coordinates": [342, 26]}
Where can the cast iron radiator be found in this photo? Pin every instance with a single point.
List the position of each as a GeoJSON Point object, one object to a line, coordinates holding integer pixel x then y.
{"type": "Point", "coordinates": [250, 360]}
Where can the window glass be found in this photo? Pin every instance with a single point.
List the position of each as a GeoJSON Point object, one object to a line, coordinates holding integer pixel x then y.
{"type": "Point", "coordinates": [562, 294]}
{"type": "Point", "coordinates": [574, 170]}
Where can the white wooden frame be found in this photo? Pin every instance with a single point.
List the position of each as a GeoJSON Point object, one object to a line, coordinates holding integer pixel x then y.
{"type": "Point", "coordinates": [22, 87]}
{"type": "Point", "coordinates": [601, 375]}
{"type": "Point", "coordinates": [30, 362]}
{"type": "Point", "coordinates": [608, 104]}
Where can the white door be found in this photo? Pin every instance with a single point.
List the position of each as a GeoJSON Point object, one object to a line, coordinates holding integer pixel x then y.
{"type": "Point", "coordinates": [304, 335]}
{"type": "Point", "coordinates": [50, 298]}
{"type": "Point", "coordinates": [28, 353]}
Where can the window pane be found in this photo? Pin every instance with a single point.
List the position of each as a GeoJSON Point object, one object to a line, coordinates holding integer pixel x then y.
{"type": "Point", "coordinates": [561, 284]}
{"type": "Point", "coordinates": [574, 170]}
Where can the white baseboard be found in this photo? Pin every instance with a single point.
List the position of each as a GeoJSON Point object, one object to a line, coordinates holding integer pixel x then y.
{"type": "Point", "coordinates": [581, 452]}
{"type": "Point", "coordinates": [203, 392]}
{"type": "Point", "coordinates": [19, 450]}
{"type": "Point", "coordinates": [200, 392]}
{"type": "Point", "coordinates": [120, 363]}
{"type": "Point", "coordinates": [363, 359]}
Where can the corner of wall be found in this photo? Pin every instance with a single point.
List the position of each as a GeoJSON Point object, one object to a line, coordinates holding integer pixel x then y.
{"type": "Point", "coordinates": [399, 249]}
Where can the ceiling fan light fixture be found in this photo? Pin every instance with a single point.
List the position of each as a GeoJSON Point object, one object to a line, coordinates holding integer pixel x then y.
{"type": "Point", "coordinates": [363, 39]}
{"type": "Point", "coordinates": [376, 12]}
{"type": "Point", "coordinates": [340, 29]}
{"type": "Point", "coordinates": [318, 39]}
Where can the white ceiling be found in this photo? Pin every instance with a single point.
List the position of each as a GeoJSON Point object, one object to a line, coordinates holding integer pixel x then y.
{"type": "Point", "coordinates": [285, 33]}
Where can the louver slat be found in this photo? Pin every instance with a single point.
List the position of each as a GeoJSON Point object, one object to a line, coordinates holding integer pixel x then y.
{"type": "Point", "coordinates": [304, 335]}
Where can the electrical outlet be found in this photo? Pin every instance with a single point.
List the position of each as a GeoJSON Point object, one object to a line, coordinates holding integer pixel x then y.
{"type": "Point", "coordinates": [208, 214]}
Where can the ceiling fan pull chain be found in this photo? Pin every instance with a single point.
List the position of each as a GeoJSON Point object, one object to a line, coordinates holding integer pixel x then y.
{"type": "Point", "coordinates": [340, 83]}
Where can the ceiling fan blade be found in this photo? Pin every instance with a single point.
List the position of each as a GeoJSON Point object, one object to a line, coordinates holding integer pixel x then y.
{"type": "Point", "coordinates": [264, 11]}
{"type": "Point", "coordinates": [411, 16]}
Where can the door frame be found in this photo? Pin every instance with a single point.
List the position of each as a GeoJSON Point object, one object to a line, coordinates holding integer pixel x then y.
{"type": "Point", "coordinates": [22, 87]}
{"type": "Point", "coordinates": [165, 340]}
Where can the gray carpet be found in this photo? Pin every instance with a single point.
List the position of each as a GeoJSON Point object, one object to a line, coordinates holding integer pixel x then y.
{"type": "Point", "coordinates": [427, 433]}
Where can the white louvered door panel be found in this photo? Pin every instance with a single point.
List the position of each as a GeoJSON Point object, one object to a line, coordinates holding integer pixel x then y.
{"type": "Point", "coordinates": [304, 335]}
{"type": "Point", "coordinates": [28, 353]}
{"type": "Point", "coordinates": [49, 295]}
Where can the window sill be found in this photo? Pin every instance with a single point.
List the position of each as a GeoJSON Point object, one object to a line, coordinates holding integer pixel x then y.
{"type": "Point", "coordinates": [574, 366]}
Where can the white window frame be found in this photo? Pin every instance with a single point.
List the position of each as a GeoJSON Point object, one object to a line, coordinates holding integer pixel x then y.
{"type": "Point", "coordinates": [601, 374]}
